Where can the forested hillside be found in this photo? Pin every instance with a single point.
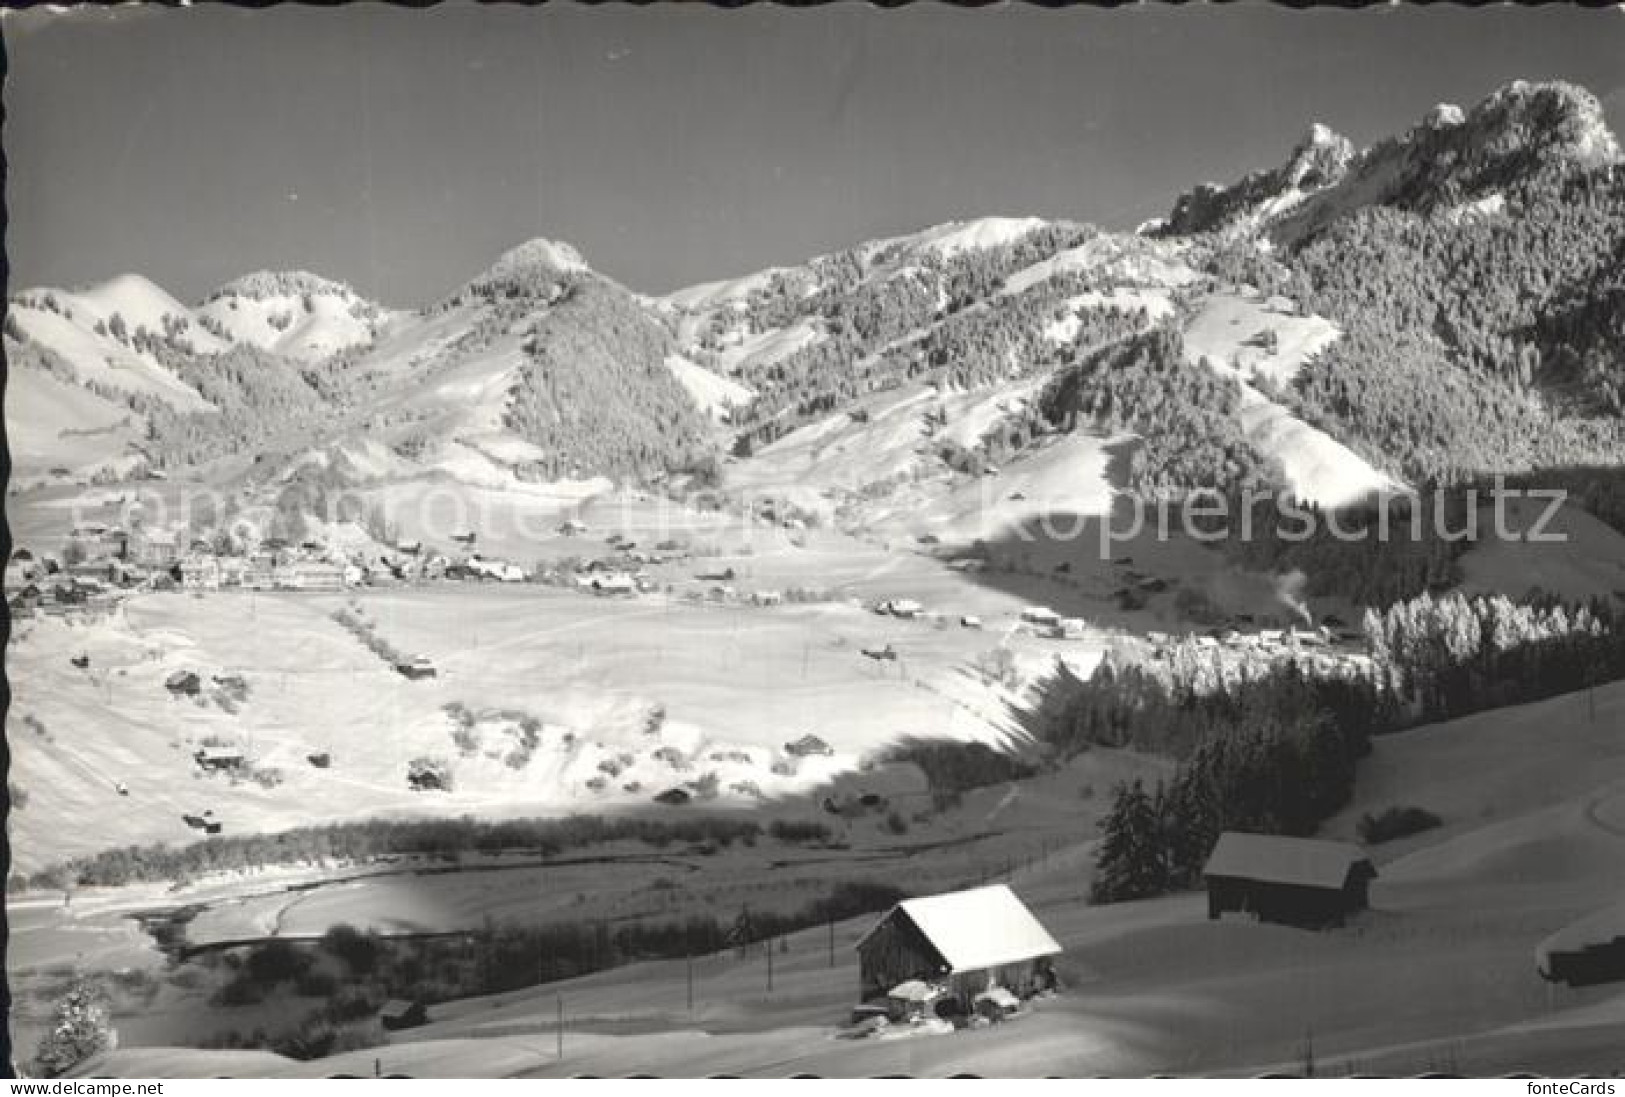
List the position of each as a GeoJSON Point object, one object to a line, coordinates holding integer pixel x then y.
{"type": "Point", "coordinates": [1473, 265]}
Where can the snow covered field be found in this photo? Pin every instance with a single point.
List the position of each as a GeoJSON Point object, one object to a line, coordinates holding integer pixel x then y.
{"type": "Point", "coordinates": [1438, 976]}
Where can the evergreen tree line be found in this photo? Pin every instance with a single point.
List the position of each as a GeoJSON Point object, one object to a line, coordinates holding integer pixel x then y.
{"type": "Point", "coordinates": [355, 972]}
{"type": "Point", "coordinates": [1183, 413]}
{"type": "Point", "coordinates": [1382, 552]}
{"type": "Point", "coordinates": [1473, 343]}
{"type": "Point", "coordinates": [942, 319]}
{"type": "Point", "coordinates": [371, 839]}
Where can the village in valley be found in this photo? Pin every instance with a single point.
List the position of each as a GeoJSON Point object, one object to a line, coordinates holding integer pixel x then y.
{"type": "Point", "coordinates": [984, 926]}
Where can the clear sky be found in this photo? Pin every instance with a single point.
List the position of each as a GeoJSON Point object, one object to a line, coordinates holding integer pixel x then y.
{"type": "Point", "coordinates": [402, 150]}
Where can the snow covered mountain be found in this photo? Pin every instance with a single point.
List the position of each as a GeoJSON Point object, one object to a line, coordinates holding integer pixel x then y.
{"type": "Point", "coordinates": [1449, 157]}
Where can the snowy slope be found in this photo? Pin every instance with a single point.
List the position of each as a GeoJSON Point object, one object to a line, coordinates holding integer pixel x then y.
{"type": "Point", "coordinates": [1127, 260]}
{"type": "Point", "coordinates": [83, 329]}
{"type": "Point", "coordinates": [950, 239]}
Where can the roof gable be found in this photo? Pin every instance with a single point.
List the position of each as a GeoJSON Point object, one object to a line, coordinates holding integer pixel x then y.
{"type": "Point", "coordinates": [980, 928]}
{"type": "Point", "coordinates": [1281, 860]}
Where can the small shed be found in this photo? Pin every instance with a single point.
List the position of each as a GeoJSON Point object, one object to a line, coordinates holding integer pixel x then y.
{"type": "Point", "coordinates": [965, 941]}
{"type": "Point", "coordinates": [415, 668]}
{"type": "Point", "coordinates": [399, 1013]}
{"type": "Point", "coordinates": [1586, 952]}
{"type": "Point", "coordinates": [1291, 881]}
{"type": "Point", "coordinates": [219, 758]}
{"type": "Point", "coordinates": [184, 683]}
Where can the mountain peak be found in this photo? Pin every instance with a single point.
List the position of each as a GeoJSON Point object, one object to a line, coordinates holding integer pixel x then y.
{"type": "Point", "coordinates": [535, 269]}
{"type": "Point", "coordinates": [1319, 160]}
{"type": "Point", "coordinates": [1553, 117]}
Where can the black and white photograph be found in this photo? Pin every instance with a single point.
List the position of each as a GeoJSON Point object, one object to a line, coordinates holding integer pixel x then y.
{"type": "Point", "coordinates": [835, 541]}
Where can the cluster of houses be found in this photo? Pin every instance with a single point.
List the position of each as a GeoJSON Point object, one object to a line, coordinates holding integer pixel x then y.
{"type": "Point", "coordinates": [1326, 649]}
{"type": "Point", "coordinates": [978, 955]}
{"type": "Point", "coordinates": [1043, 621]}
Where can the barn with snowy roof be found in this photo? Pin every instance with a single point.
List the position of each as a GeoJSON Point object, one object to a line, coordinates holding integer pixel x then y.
{"type": "Point", "coordinates": [1291, 881]}
{"type": "Point", "coordinates": [964, 941]}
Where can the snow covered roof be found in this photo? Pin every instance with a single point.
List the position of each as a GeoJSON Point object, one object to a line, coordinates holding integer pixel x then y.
{"type": "Point", "coordinates": [1281, 860]}
{"type": "Point", "coordinates": [1594, 930]}
{"type": "Point", "coordinates": [980, 928]}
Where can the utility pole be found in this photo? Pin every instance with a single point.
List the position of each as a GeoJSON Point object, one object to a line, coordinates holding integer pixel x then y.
{"type": "Point", "coordinates": [691, 981]}
{"type": "Point", "coordinates": [770, 965]}
{"type": "Point", "coordinates": [561, 1028]}
{"type": "Point", "coordinates": [832, 942]}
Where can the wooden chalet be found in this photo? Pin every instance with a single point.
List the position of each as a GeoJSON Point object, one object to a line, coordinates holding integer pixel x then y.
{"type": "Point", "coordinates": [1290, 881]}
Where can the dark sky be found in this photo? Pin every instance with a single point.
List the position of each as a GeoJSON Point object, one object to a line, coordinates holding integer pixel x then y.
{"type": "Point", "coordinates": [402, 150]}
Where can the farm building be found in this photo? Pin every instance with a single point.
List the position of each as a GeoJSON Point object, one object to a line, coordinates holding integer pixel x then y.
{"type": "Point", "coordinates": [964, 941]}
{"type": "Point", "coordinates": [183, 682]}
{"type": "Point", "coordinates": [93, 541]}
{"type": "Point", "coordinates": [1586, 952]}
{"type": "Point", "coordinates": [1291, 881]}
{"type": "Point", "coordinates": [26, 600]}
{"type": "Point", "coordinates": [398, 1013]}
{"type": "Point", "coordinates": [311, 575]}
{"type": "Point", "coordinates": [22, 570]}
